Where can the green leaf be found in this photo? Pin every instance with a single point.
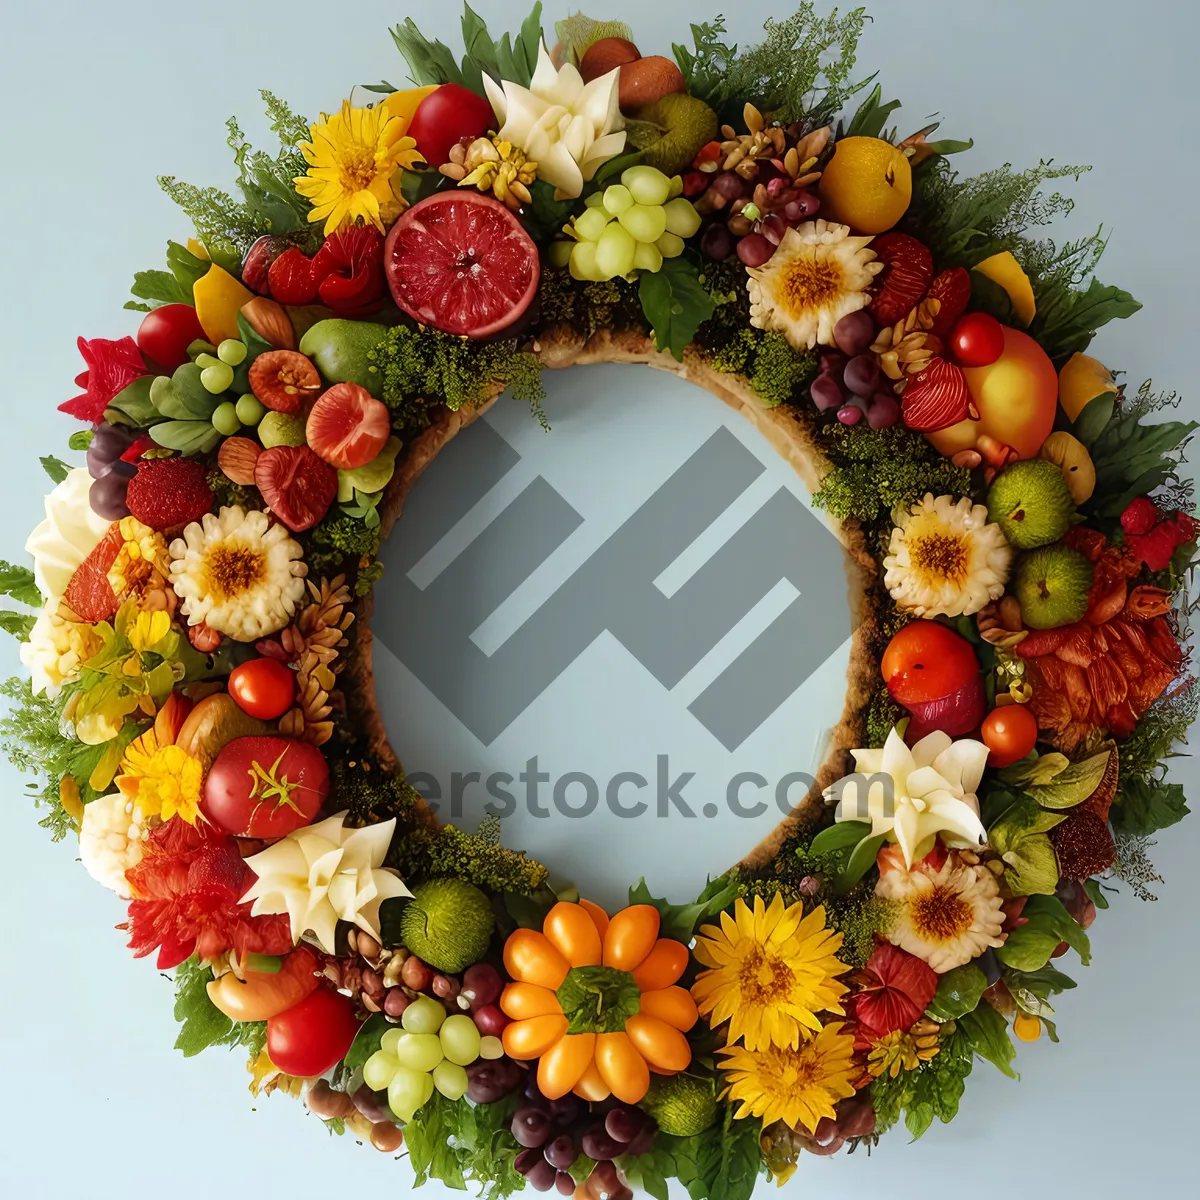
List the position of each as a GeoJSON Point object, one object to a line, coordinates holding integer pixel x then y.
{"type": "Point", "coordinates": [18, 583]}
{"type": "Point", "coordinates": [1096, 414]}
{"type": "Point", "coordinates": [428, 62]}
{"type": "Point", "coordinates": [203, 1023]}
{"type": "Point", "coordinates": [862, 859]}
{"type": "Point", "coordinates": [1029, 946]}
{"type": "Point", "coordinates": [1046, 981]}
{"type": "Point", "coordinates": [159, 287]}
{"type": "Point", "coordinates": [988, 1034]}
{"type": "Point", "coordinates": [675, 304]}
{"type": "Point", "coordinates": [679, 921]}
{"type": "Point", "coordinates": [871, 116]}
{"type": "Point", "coordinates": [186, 268]}
{"type": "Point", "coordinates": [55, 468]}
{"type": "Point", "coordinates": [1041, 769]}
{"type": "Point", "coordinates": [132, 404]}
{"type": "Point", "coordinates": [1147, 805]}
{"type": "Point", "coordinates": [1096, 892]}
{"type": "Point", "coordinates": [1074, 784]}
{"type": "Point", "coordinates": [1022, 819]}
{"type": "Point", "coordinates": [81, 439]}
{"type": "Point", "coordinates": [182, 397]}
{"type": "Point", "coordinates": [366, 1041]}
{"type": "Point", "coordinates": [958, 993]}
{"type": "Point", "coordinates": [20, 625]}
{"type": "Point", "coordinates": [1032, 867]}
{"type": "Point", "coordinates": [1071, 324]}
{"type": "Point", "coordinates": [839, 836]}
{"type": "Point", "coordinates": [188, 437]}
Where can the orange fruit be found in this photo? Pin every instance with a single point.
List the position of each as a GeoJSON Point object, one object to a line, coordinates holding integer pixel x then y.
{"type": "Point", "coordinates": [867, 185]}
{"type": "Point", "coordinates": [1080, 381]}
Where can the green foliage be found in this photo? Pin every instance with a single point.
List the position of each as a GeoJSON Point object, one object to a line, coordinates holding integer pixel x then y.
{"type": "Point", "coordinates": [202, 1023]}
{"type": "Point", "coordinates": [430, 62]}
{"type": "Point", "coordinates": [675, 304]}
{"type": "Point", "coordinates": [1047, 923]}
{"type": "Point", "coordinates": [452, 371]}
{"type": "Point", "coordinates": [799, 72]}
{"type": "Point", "coordinates": [989, 1039]}
{"type": "Point", "coordinates": [587, 307]}
{"type": "Point", "coordinates": [370, 793]}
{"type": "Point", "coordinates": [226, 493]}
{"type": "Point", "coordinates": [1144, 806]}
{"type": "Point", "coordinates": [18, 582]}
{"type": "Point", "coordinates": [1133, 456]}
{"type": "Point", "coordinates": [35, 744]}
{"type": "Point", "coordinates": [20, 625]}
{"type": "Point", "coordinates": [429, 853]}
{"type": "Point", "coordinates": [55, 468]}
{"type": "Point", "coordinates": [269, 204]}
{"type": "Point", "coordinates": [874, 470]}
{"type": "Point", "coordinates": [958, 993]}
{"type": "Point", "coordinates": [723, 1163]}
{"type": "Point", "coordinates": [340, 543]}
{"type": "Point", "coordinates": [882, 715]}
{"type": "Point", "coordinates": [1133, 865]}
{"type": "Point", "coordinates": [172, 286]}
{"type": "Point", "coordinates": [1166, 722]}
{"type": "Point", "coordinates": [458, 1143]}
{"type": "Point", "coordinates": [680, 921]}
{"type": "Point", "coordinates": [934, 1089]}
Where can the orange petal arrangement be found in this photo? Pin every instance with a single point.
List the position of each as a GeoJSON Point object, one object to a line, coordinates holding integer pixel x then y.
{"type": "Point", "coordinates": [198, 707]}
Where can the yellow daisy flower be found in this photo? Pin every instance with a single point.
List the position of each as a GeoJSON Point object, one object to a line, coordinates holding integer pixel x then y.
{"type": "Point", "coordinates": [161, 781]}
{"type": "Point", "coordinates": [353, 163]}
{"type": "Point", "coordinates": [797, 1086]}
{"type": "Point", "coordinates": [772, 970]}
{"type": "Point", "coordinates": [904, 1049]}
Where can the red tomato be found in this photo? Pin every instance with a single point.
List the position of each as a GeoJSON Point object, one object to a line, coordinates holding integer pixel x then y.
{"type": "Point", "coordinates": [447, 116]}
{"type": "Point", "coordinates": [263, 687]}
{"type": "Point", "coordinates": [312, 1036]}
{"type": "Point", "coordinates": [977, 340]}
{"type": "Point", "coordinates": [1009, 732]}
{"type": "Point", "coordinates": [264, 787]}
{"type": "Point", "coordinates": [166, 333]}
{"type": "Point", "coordinates": [348, 427]}
{"type": "Point", "coordinates": [925, 661]}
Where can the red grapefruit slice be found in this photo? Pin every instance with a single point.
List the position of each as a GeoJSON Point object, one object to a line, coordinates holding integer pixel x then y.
{"type": "Point", "coordinates": [461, 262]}
{"type": "Point", "coordinates": [89, 595]}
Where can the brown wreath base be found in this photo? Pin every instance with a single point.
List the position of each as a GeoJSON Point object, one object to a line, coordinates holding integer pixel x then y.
{"type": "Point", "coordinates": [785, 432]}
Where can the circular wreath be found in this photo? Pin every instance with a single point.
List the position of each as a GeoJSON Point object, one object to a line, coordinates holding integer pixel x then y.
{"type": "Point", "coordinates": [201, 702]}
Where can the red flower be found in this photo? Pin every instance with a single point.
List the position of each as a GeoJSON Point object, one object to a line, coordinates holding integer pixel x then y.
{"type": "Point", "coordinates": [188, 887]}
{"type": "Point", "coordinates": [895, 989]}
{"type": "Point", "coordinates": [112, 367]}
{"type": "Point", "coordinates": [1152, 537]}
{"type": "Point", "coordinates": [349, 268]}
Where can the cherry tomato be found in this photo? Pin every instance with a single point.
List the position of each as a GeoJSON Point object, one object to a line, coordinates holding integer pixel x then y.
{"type": "Point", "coordinates": [630, 937]}
{"type": "Point", "coordinates": [977, 340]}
{"type": "Point", "coordinates": [264, 787]}
{"type": "Point", "coordinates": [263, 687]}
{"type": "Point", "coordinates": [166, 333]}
{"type": "Point", "coordinates": [447, 116]}
{"type": "Point", "coordinates": [573, 934]}
{"type": "Point", "coordinates": [925, 661]}
{"type": "Point", "coordinates": [312, 1036]}
{"type": "Point", "coordinates": [1009, 732]}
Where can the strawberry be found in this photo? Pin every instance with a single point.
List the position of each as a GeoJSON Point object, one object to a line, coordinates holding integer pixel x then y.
{"type": "Point", "coordinates": [953, 288]}
{"type": "Point", "coordinates": [296, 485]}
{"type": "Point", "coordinates": [907, 270]}
{"type": "Point", "coordinates": [169, 491]}
{"type": "Point", "coordinates": [937, 398]}
{"type": "Point", "coordinates": [291, 278]}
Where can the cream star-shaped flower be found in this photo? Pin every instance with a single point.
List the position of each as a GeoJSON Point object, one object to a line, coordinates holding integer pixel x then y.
{"type": "Point", "coordinates": [916, 795]}
{"type": "Point", "coordinates": [566, 126]}
{"type": "Point", "coordinates": [324, 873]}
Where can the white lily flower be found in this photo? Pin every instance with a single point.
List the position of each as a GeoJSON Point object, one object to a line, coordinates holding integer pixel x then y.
{"type": "Point", "coordinates": [568, 127]}
{"type": "Point", "coordinates": [928, 791]}
{"type": "Point", "coordinates": [324, 873]}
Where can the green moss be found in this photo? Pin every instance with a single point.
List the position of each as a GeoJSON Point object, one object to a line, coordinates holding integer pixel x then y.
{"type": "Point", "coordinates": [341, 544]}
{"type": "Point", "coordinates": [227, 494]}
{"type": "Point", "coordinates": [587, 306]}
{"type": "Point", "coordinates": [372, 794]}
{"type": "Point", "coordinates": [882, 714]}
{"type": "Point", "coordinates": [429, 853]}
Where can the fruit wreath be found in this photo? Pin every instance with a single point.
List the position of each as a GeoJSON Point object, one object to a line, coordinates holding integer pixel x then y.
{"type": "Point", "coordinates": [201, 709]}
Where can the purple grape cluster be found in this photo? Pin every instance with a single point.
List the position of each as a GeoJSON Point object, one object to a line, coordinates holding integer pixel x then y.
{"type": "Point", "coordinates": [553, 1133]}
{"type": "Point", "coordinates": [750, 215]}
{"type": "Point", "coordinates": [850, 379]}
{"type": "Point", "coordinates": [110, 475]}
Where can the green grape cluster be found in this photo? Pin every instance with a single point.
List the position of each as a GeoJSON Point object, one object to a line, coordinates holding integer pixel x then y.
{"type": "Point", "coordinates": [427, 1050]}
{"type": "Point", "coordinates": [632, 226]}
{"type": "Point", "coordinates": [216, 376]}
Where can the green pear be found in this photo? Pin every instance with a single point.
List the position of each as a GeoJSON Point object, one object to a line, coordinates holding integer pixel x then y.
{"type": "Point", "coordinates": [341, 348]}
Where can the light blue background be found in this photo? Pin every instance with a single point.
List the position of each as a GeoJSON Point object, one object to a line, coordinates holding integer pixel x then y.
{"type": "Point", "coordinates": [98, 99]}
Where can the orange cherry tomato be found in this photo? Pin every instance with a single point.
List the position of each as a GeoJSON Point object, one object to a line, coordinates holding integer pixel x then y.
{"type": "Point", "coordinates": [563, 1065]}
{"type": "Point", "coordinates": [660, 1044]}
{"type": "Point", "coordinates": [621, 1067]}
{"type": "Point", "coordinates": [662, 966]}
{"type": "Point", "coordinates": [1009, 732]}
{"type": "Point", "coordinates": [573, 933]}
{"type": "Point", "coordinates": [591, 1085]}
{"type": "Point", "coordinates": [598, 915]}
{"type": "Point", "coordinates": [532, 1038]}
{"type": "Point", "coordinates": [630, 936]}
{"type": "Point", "coordinates": [674, 1005]}
{"type": "Point", "coordinates": [530, 957]}
{"type": "Point", "coordinates": [265, 994]}
{"type": "Point", "coordinates": [524, 1000]}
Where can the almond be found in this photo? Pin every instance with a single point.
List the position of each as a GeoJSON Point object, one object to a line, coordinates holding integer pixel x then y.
{"type": "Point", "coordinates": [237, 457]}
{"type": "Point", "coordinates": [270, 321]}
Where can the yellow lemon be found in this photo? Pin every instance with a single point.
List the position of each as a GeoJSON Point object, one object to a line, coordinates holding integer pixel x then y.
{"type": "Point", "coordinates": [1004, 271]}
{"type": "Point", "coordinates": [1080, 381]}
{"type": "Point", "coordinates": [867, 185]}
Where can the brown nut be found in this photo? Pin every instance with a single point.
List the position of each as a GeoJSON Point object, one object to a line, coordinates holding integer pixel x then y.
{"type": "Point", "coordinates": [326, 1102]}
{"type": "Point", "coordinates": [386, 1137]}
{"type": "Point", "coordinates": [1070, 456]}
{"type": "Point", "coordinates": [416, 974]}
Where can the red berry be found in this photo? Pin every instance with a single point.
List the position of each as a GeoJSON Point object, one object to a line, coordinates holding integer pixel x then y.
{"type": "Point", "coordinates": [296, 485]}
{"type": "Point", "coordinates": [952, 288]}
{"type": "Point", "coordinates": [907, 270]}
{"type": "Point", "coordinates": [291, 278]}
{"type": "Point", "coordinates": [936, 398]}
{"type": "Point", "coordinates": [1140, 516]}
{"type": "Point", "coordinates": [167, 492]}
{"type": "Point", "coordinates": [258, 260]}
{"type": "Point", "coordinates": [348, 427]}
{"type": "Point", "coordinates": [977, 340]}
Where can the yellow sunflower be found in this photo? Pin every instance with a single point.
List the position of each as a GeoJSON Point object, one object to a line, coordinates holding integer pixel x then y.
{"type": "Point", "coordinates": [161, 780]}
{"type": "Point", "coordinates": [797, 1086]}
{"type": "Point", "coordinates": [353, 162]}
{"type": "Point", "coordinates": [772, 970]}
